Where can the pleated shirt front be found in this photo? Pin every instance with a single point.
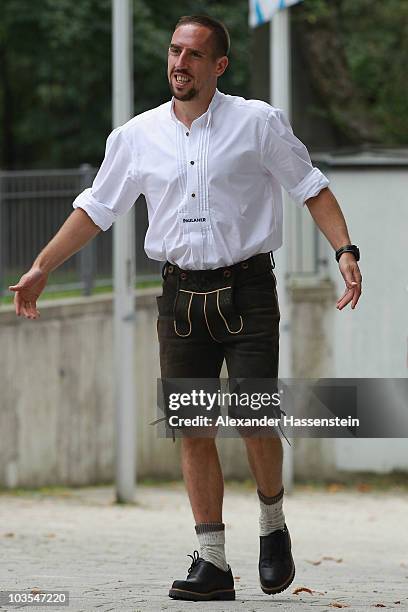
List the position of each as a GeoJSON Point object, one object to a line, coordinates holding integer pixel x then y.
{"type": "Point", "coordinates": [213, 191]}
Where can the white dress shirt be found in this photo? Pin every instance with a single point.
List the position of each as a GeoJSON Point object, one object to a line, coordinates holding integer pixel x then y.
{"type": "Point", "coordinates": [213, 191]}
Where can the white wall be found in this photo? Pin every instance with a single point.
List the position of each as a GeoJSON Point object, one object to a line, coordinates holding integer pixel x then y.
{"type": "Point", "coordinates": [56, 397]}
{"type": "Point", "coordinates": [372, 341]}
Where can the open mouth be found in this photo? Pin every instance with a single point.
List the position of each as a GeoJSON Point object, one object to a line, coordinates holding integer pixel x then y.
{"type": "Point", "coordinates": [181, 80]}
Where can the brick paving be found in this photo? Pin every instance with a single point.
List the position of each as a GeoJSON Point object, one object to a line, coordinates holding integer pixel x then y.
{"type": "Point", "coordinates": [350, 548]}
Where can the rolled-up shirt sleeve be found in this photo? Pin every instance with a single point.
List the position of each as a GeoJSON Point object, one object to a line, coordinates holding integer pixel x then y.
{"type": "Point", "coordinates": [288, 160]}
{"type": "Point", "coordinates": [115, 187]}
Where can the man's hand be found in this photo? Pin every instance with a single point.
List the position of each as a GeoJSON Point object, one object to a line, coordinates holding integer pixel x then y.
{"type": "Point", "coordinates": [352, 277]}
{"type": "Point", "coordinates": [75, 233]}
{"type": "Point", "coordinates": [27, 292]}
{"type": "Point", "coordinates": [328, 217]}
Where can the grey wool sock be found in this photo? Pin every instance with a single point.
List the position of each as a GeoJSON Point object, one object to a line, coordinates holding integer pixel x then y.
{"type": "Point", "coordinates": [211, 537]}
{"type": "Point", "coordinates": [271, 517]}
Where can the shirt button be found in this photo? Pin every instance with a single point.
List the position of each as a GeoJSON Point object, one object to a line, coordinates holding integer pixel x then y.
{"type": "Point", "coordinates": [187, 133]}
{"type": "Point", "coordinates": [192, 163]}
{"type": "Point", "coordinates": [193, 195]}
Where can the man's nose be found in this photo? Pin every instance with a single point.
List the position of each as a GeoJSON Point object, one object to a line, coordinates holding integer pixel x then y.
{"type": "Point", "coordinates": [182, 60]}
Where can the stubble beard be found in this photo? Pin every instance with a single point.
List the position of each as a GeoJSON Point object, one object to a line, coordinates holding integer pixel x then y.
{"type": "Point", "coordinates": [189, 95]}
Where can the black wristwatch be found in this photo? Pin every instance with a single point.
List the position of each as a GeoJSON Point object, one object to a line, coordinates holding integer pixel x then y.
{"type": "Point", "coordinates": [348, 248]}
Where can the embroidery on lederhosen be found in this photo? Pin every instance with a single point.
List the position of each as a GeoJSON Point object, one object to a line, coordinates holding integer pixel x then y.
{"type": "Point", "coordinates": [218, 309]}
{"type": "Point", "coordinates": [225, 307]}
{"type": "Point", "coordinates": [219, 312]}
{"type": "Point", "coordinates": [182, 313]}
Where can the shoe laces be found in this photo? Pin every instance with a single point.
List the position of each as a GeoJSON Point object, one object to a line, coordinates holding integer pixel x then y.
{"type": "Point", "coordinates": [194, 557]}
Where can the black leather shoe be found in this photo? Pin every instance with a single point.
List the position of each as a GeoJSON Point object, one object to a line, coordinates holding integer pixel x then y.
{"type": "Point", "coordinates": [276, 565]}
{"type": "Point", "coordinates": [205, 582]}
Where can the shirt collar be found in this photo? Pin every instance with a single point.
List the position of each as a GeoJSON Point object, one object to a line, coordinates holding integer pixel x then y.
{"type": "Point", "coordinates": [216, 99]}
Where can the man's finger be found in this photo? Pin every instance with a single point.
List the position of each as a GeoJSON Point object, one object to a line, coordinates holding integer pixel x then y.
{"type": "Point", "coordinates": [343, 296]}
{"type": "Point", "coordinates": [352, 296]}
{"type": "Point", "coordinates": [357, 286]}
{"type": "Point", "coordinates": [343, 303]}
{"type": "Point", "coordinates": [17, 303]}
{"type": "Point", "coordinates": [29, 309]}
{"type": "Point", "coordinates": [345, 299]}
{"type": "Point", "coordinates": [32, 309]}
{"type": "Point", "coordinates": [18, 287]}
{"type": "Point", "coordinates": [356, 297]}
{"type": "Point", "coordinates": [23, 309]}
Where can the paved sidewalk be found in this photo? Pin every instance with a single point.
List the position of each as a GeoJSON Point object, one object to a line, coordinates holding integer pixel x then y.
{"type": "Point", "coordinates": [350, 548]}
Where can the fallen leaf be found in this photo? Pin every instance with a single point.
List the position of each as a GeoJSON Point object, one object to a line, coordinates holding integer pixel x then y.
{"type": "Point", "coordinates": [332, 559]}
{"type": "Point", "coordinates": [336, 604]}
{"type": "Point", "coordinates": [35, 591]}
{"type": "Point", "coordinates": [237, 577]}
{"type": "Point", "coordinates": [363, 487]}
{"type": "Point", "coordinates": [50, 535]}
{"type": "Point", "coordinates": [9, 535]}
{"type": "Point", "coordinates": [380, 606]}
{"type": "Point", "coordinates": [313, 562]}
{"type": "Point", "coordinates": [397, 602]}
{"type": "Point", "coordinates": [335, 487]}
{"type": "Point", "coordinates": [302, 590]}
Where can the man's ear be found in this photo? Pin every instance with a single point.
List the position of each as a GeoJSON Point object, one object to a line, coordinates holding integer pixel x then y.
{"type": "Point", "coordinates": [221, 66]}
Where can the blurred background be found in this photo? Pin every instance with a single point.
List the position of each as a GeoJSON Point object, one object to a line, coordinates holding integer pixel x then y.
{"type": "Point", "coordinates": [348, 104]}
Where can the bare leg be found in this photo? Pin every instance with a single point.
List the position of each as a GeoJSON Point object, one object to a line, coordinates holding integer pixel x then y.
{"type": "Point", "coordinates": [265, 456]}
{"type": "Point", "coordinates": [203, 478]}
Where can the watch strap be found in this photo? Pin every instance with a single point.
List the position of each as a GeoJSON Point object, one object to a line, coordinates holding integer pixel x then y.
{"type": "Point", "coordinates": [348, 248]}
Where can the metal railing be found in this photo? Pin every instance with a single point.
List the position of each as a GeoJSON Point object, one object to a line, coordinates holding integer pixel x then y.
{"type": "Point", "coordinates": [33, 205]}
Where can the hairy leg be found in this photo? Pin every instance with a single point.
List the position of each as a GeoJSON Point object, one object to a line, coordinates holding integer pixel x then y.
{"type": "Point", "coordinates": [265, 456]}
{"type": "Point", "coordinates": [203, 478]}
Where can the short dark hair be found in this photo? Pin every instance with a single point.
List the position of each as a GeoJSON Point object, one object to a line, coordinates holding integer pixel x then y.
{"type": "Point", "coordinates": [219, 31]}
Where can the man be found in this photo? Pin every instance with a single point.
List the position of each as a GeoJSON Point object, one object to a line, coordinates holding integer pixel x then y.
{"type": "Point", "coordinates": [211, 168]}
